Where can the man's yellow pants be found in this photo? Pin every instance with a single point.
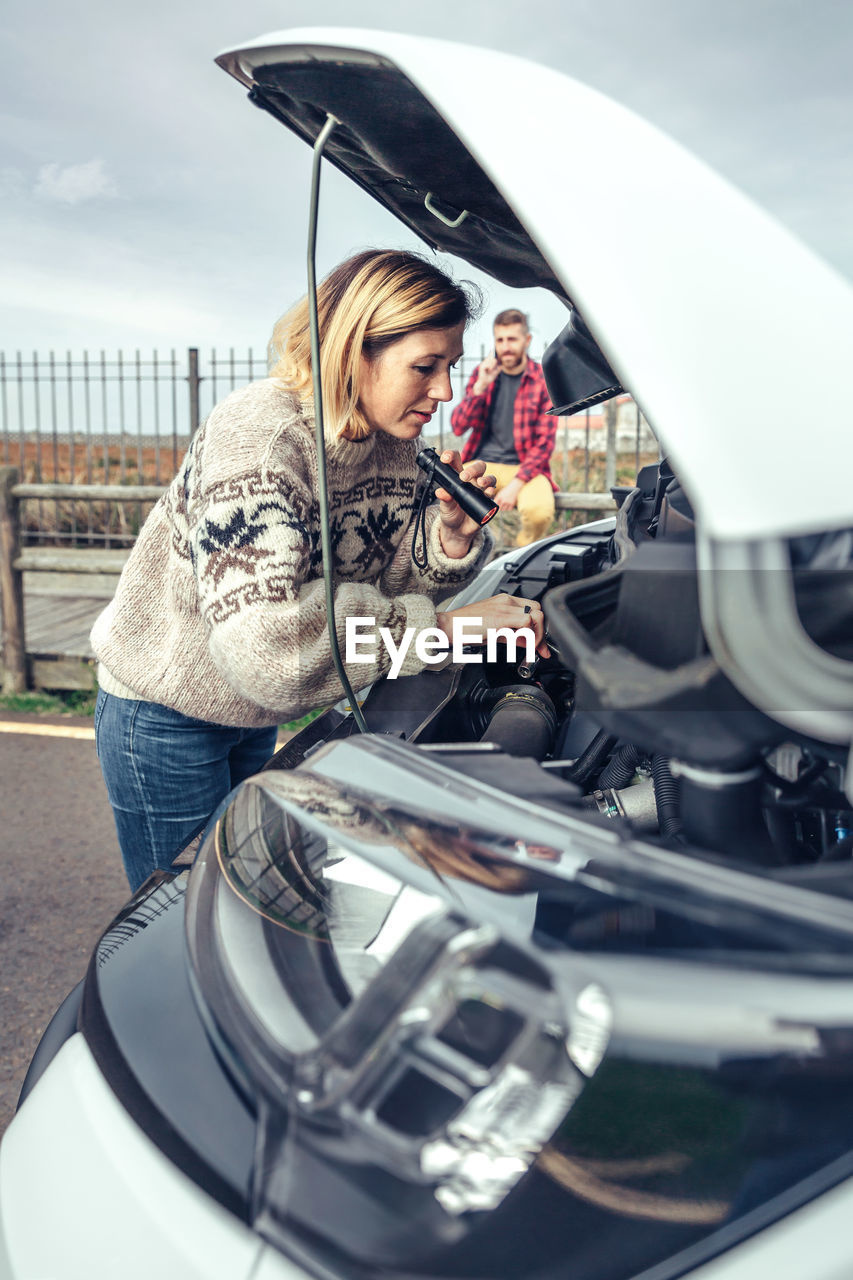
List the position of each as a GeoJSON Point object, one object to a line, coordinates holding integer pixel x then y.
{"type": "Point", "coordinates": [535, 502]}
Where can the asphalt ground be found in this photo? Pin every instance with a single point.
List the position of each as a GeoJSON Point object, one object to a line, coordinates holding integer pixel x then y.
{"type": "Point", "coordinates": [61, 878]}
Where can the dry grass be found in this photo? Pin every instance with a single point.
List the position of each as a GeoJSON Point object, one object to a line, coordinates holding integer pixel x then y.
{"type": "Point", "coordinates": [67, 461]}
{"type": "Point", "coordinates": [590, 479]}
{"type": "Point", "coordinates": [82, 523]}
{"type": "Point", "coordinates": [86, 523]}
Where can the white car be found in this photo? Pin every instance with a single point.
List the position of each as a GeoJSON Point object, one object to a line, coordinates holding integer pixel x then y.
{"type": "Point", "coordinates": [550, 974]}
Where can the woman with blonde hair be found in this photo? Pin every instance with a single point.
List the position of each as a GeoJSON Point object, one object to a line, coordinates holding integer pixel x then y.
{"type": "Point", "coordinates": [218, 630]}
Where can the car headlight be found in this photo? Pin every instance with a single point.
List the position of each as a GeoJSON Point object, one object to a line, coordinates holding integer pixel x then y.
{"type": "Point", "coordinates": [472, 1054]}
{"type": "Point", "coordinates": [382, 1033]}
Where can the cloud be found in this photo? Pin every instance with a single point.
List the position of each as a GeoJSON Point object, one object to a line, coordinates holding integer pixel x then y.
{"type": "Point", "coordinates": [74, 183]}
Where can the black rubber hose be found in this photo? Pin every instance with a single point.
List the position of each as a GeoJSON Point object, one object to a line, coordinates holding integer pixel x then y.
{"type": "Point", "coordinates": [523, 722]}
{"type": "Point", "coordinates": [621, 768]}
{"type": "Point", "coordinates": [589, 762]}
{"type": "Point", "coordinates": [723, 812]}
{"type": "Point", "coordinates": [666, 797]}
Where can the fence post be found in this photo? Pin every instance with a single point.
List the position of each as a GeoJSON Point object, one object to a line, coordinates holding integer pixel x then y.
{"type": "Point", "coordinates": [194, 381]}
{"type": "Point", "coordinates": [11, 586]}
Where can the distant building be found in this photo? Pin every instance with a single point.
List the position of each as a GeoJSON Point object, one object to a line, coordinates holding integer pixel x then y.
{"type": "Point", "coordinates": [574, 429]}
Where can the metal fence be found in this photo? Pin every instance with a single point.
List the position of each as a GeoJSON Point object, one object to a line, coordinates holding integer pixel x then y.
{"type": "Point", "coordinates": [127, 419]}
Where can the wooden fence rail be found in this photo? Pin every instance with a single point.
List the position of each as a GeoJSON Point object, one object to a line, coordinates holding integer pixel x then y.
{"type": "Point", "coordinates": [15, 560]}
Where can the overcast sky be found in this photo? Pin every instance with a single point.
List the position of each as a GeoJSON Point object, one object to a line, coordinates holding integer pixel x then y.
{"type": "Point", "coordinates": [146, 203]}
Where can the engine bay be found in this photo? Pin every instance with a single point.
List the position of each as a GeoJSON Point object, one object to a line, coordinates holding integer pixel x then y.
{"type": "Point", "coordinates": [631, 717]}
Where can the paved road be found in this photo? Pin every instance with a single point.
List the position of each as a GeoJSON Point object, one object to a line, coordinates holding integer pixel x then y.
{"type": "Point", "coordinates": [61, 879]}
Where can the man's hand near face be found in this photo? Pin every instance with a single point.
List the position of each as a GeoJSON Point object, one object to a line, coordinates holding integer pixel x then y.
{"type": "Point", "coordinates": [487, 371]}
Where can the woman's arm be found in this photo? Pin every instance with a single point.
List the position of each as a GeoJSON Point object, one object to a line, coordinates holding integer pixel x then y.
{"type": "Point", "coordinates": [263, 601]}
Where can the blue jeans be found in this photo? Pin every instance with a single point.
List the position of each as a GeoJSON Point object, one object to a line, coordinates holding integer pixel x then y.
{"type": "Point", "coordinates": [165, 775]}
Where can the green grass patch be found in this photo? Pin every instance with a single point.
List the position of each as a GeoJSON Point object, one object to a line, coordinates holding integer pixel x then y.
{"type": "Point", "coordinates": [76, 702]}
{"type": "Point", "coordinates": [81, 702]}
{"type": "Point", "coordinates": [293, 725]}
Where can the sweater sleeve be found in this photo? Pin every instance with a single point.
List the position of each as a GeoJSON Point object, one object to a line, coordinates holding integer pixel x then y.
{"type": "Point", "coordinates": [263, 602]}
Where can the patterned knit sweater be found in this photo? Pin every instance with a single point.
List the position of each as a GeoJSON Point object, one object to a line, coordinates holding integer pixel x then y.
{"type": "Point", "coordinates": [220, 611]}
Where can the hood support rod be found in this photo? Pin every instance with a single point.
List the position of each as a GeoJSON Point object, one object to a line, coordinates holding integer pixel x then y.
{"type": "Point", "coordinates": [319, 434]}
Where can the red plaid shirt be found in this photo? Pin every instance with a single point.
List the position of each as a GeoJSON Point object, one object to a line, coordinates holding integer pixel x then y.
{"type": "Point", "coordinates": [533, 431]}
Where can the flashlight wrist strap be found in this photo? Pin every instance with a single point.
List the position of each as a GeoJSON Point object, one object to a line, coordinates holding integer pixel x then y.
{"type": "Point", "coordinates": [421, 557]}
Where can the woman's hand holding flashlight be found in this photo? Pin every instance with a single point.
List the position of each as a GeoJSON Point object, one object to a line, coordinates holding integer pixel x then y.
{"type": "Point", "coordinates": [457, 529]}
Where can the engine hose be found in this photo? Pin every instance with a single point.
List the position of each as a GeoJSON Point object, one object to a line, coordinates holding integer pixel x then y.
{"type": "Point", "coordinates": [666, 798]}
{"type": "Point", "coordinates": [590, 761]}
{"type": "Point", "coordinates": [523, 722]}
{"type": "Point", "coordinates": [621, 768]}
{"type": "Point", "coordinates": [722, 811]}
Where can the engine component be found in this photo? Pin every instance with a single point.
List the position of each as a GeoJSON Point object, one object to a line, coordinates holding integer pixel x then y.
{"type": "Point", "coordinates": [634, 636]}
{"type": "Point", "coordinates": [636, 804]}
{"type": "Point", "coordinates": [522, 721]}
{"type": "Point", "coordinates": [722, 811]}
{"type": "Point", "coordinates": [621, 768]}
{"type": "Point", "coordinates": [666, 798]}
{"type": "Point", "coordinates": [591, 759]}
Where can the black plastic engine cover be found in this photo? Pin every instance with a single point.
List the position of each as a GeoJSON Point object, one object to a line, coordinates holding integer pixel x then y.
{"type": "Point", "coordinates": [643, 668]}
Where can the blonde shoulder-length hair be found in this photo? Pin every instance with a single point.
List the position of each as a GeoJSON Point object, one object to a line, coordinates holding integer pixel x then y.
{"type": "Point", "coordinates": [363, 306]}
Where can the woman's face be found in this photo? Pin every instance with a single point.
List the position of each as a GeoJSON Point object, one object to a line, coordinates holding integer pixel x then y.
{"type": "Point", "coordinates": [401, 388]}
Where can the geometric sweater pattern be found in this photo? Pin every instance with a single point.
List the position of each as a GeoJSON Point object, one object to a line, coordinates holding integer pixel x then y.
{"type": "Point", "coordinates": [220, 611]}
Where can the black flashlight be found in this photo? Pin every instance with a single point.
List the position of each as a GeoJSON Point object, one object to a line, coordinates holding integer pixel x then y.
{"type": "Point", "coordinates": [471, 499]}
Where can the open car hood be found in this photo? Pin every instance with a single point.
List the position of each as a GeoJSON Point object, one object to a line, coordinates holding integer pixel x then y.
{"type": "Point", "coordinates": [395, 143]}
{"type": "Point", "coordinates": [724, 327]}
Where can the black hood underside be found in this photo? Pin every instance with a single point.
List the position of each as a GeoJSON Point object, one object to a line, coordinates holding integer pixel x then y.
{"type": "Point", "coordinates": [396, 146]}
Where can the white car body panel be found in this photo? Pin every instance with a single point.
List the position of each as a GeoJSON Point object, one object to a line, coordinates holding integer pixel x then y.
{"type": "Point", "coordinates": [117, 1206]}
{"type": "Point", "coordinates": [814, 1243]}
{"type": "Point", "coordinates": [114, 1204]}
{"type": "Point", "coordinates": [729, 331]}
